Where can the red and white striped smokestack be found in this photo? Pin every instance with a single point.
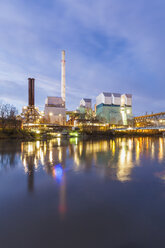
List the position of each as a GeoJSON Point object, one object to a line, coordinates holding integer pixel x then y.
{"type": "Point", "coordinates": [63, 76]}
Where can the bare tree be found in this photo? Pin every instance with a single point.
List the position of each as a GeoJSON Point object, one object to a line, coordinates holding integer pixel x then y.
{"type": "Point", "coordinates": [3, 115]}
{"type": "Point", "coordinates": [12, 116]}
{"type": "Point", "coordinates": [8, 115]}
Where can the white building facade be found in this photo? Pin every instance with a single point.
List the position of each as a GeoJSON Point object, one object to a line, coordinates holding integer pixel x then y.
{"type": "Point", "coordinates": [86, 103]}
{"type": "Point", "coordinates": [55, 111]}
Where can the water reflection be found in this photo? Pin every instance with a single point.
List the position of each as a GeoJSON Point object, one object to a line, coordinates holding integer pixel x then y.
{"type": "Point", "coordinates": [52, 180]}
{"type": "Point", "coordinates": [50, 156]}
{"type": "Point", "coordinates": [125, 162]}
{"type": "Point", "coordinates": [9, 154]}
{"type": "Point", "coordinates": [121, 154]}
{"type": "Point", "coordinates": [43, 153]}
{"type": "Point", "coordinates": [112, 159]}
{"type": "Point", "coordinates": [115, 157]}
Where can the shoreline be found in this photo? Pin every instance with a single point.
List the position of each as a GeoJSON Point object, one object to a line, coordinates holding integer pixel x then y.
{"type": "Point", "coordinates": [25, 135]}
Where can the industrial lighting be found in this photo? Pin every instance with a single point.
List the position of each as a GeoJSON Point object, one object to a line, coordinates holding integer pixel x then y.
{"type": "Point", "coordinates": [122, 100]}
{"type": "Point", "coordinates": [130, 128]}
{"type": "Point", "coordinates": [73, 134]}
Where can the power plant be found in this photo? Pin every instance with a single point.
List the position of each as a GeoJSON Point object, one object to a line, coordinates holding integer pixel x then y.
{"type": "Point", "coordinates": [110, 108]}
{"type": "Point", "coordinates": [112, 113]}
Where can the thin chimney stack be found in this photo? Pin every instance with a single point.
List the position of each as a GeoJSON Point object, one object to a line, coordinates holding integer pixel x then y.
{"type": "Point", "coordinates": [63, 76]}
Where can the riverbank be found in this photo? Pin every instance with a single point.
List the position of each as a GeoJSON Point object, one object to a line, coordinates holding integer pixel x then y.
{"type": "Point", "coordinates": [18, 134]}
{"type": "Point", "coordinates": [26, 135]}
{"type": "Point", "coordinates": [128, 133]}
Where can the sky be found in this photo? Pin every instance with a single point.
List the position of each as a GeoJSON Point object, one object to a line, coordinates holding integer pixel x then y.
{"type": "Point", "coordinates": [111, 46]}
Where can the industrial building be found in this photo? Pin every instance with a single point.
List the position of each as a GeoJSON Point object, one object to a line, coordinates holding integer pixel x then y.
{"type": "Point", "coordinates": [126, 100]}
{"type": "Point", "coordinates": [85, 108]}
{"type": "Point", "coordinates": [55, 111]}
{"type": "Point", "coordinates": [86, 103]}
{"type": "Point", "coordinates": [114, 108]}
{"type": "Point", "coordinates": [30, 113]}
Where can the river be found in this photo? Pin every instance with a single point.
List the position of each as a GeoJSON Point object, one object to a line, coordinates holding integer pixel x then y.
{"type": "Point", "coordinates": [106, 193]}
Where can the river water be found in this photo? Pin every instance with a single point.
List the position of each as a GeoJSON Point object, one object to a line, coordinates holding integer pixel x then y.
{"type": "Point", "coordinates": [106, 193]}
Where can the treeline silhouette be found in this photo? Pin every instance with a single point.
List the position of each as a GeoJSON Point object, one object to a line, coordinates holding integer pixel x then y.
{"type": "Point", "coordinates": [8, 117]}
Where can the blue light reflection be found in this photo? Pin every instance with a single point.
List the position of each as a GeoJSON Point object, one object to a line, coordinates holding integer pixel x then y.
{"type": "Point", "coordinates": [58, 172]}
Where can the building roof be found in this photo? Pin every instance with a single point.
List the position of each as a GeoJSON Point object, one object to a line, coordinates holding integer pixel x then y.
{"type": "Point", "coordinates": [107, 94]}
{"type": "Point", "coordinates": [129, 95]}
{"type": "Point", "coordinates": [87, 99]}
{"type": "Point", "coordinates": [54, 97]}
{"type": "Point", "coordinates": [116, 94]}
{"type": "Point", "coordinates": [54, 101]}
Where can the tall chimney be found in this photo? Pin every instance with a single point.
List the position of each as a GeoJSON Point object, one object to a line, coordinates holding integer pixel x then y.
{"type": "Point", "coordinates": [31, 91]}
{"type": "Point", "coordinates": [63, 76]}
{"type": "Point", "coordinates": [33, 83]}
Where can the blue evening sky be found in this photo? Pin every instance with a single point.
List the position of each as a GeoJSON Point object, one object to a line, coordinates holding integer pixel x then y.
{"type": "Point", "coordinates": [111, 45]}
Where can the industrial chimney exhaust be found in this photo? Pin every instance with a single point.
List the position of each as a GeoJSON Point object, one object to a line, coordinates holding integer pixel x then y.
{"type": "Point", "coordinates": [63, 76]}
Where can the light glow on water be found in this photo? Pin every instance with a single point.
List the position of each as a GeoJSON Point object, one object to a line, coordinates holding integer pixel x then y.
{"type": "Point", "coordinates": [122, 154]}
{"type": "Point", "coordinates": [67, 185]}
{"type": "Point", "coordinates": [58, 172]}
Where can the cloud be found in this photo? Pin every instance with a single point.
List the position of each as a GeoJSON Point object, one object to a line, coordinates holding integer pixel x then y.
{"type": "Point", "coordinates": [110, 45]}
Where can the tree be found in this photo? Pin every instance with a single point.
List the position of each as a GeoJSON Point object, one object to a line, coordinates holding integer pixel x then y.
{"type": "Point", "coordinates": [12, 116]}
{"type": "Point", "coordinates": [8, 115]}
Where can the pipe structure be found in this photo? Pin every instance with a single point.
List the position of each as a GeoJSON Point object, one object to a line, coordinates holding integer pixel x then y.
{"type": "Point", "coordinates": [30, 90]}
{"type": "Point", "coordinates": [63, 76]}
{"type": "Point", "coordinates": [31, 82]}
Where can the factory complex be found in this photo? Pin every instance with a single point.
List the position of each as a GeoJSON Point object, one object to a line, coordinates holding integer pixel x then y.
{"type": "Point", "coordinates": [109, 108]}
